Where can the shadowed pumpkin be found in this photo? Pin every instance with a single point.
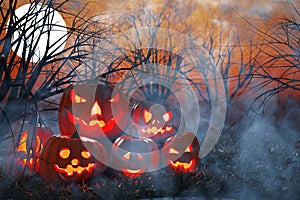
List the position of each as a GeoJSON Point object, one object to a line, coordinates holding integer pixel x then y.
{"type": "Point", "coordinates": [134, 156]}
{"type": "Point", "coordinates": [27, 150]}
{"type": "Point", "coordinates": [181, 152]}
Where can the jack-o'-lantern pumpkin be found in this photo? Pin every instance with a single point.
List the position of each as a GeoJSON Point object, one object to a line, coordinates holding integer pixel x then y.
{"type": "Point", "coordinates": [70, 159]}
{"type": "Point", "coordinates": [134, 156]}
{"type": "Point", "coordinates": [25, 155]}
{"type": "Point", "coordinates": [181, 152]}
{"type": "Point", "coordinates": [100, 111]}
{"type": "Point", "coordinates": [157, 121]}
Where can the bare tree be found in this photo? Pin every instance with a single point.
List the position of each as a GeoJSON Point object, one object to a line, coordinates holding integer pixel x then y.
{"type": "Point", "coordinates": [279, 70]}
{"type": "Point", "coordinates": [28, 78]}
{"type": "Point", "coordinates": [155, 45]}
{"type": "Point", "coordinates": [24, 83]}
{"type": "Point", "coordinates": [230, 60]}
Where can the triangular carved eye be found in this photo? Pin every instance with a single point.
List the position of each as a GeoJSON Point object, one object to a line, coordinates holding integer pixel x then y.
{"type": "Point", "coordinates": [75, 98]}
{"type": "Point", "coordinates": [173, 151]}
{"type": "Point", "coordinates": [189, 149]}
{"type": "Point", "coordinates": [126, 156]}
{"type": "Point", "coordinates": [115, 98]}
{"type": "Point", "coordinates": [147, 116]}
{"type": "Point", "coordinates": [167, 116]}
{"type": "Point", "coordinates": [22, 143]}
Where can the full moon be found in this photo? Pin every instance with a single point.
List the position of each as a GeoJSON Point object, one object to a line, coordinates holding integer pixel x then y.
{"type": "Point", "coordinates": [38, 29]}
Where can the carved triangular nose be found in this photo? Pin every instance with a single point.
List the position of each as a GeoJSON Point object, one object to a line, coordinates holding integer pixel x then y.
{"type": "Point", "coordinates": [96, 110]}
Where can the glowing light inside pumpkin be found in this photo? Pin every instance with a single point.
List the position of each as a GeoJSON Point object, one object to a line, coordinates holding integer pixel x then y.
{"type": "Point", "coordinates": [70, 170]}
{"type": "Point", "coordinates": [38, 144]}
{"type": "Point", "coordinates": [169, 128]}
{"type": "Point", "coordinates": [189, 149]}
{"type": "Point", "coordinates": [133, 172]}
{"type": "Point", "coordinates": [96, 110]}
{"type": "Point", "coordinates": [86, 154]}
{"type": "Point", "coordinates": [94, 122]}
{"type": "Point", "coordinates": [74, 161]}
{"type": "Point", "coordinates": [64, 153]}
{"type": "Point", "coordinates": [115, 99]}
{"type": "Point", "coordinates": [173, 151]}
{"type": "Point", "coordinates": [22, 147]}
{"type": "Point", "coordinates": [75, 98]}
{"type": "Point", "coordinates": [167, 116]}
{"type": "Point", "coordinates": [30, 159]}
{"type": "Point", "coordinates": [154, 130]}
{"type": "Point", "coordinates": [126, 156]}
{"type": "Point", "coordinates": [184, 165]}
{"type": "Point", "coordinates": [105, 126]}
{"type": "Point", "coordinates": [22, 143]}
{"type": "Point", "coordinates": [147, 116]}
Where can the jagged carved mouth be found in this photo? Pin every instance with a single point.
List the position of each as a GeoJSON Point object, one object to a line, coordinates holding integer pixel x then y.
{"type": "Point", "coordinates": [184, 165]}
{"type": "Point", "coordinates": [96, 122]}
{"type": "Point", "coordinates": [70, 170]}
{"type": "Point", "coordinates": [154, 130]}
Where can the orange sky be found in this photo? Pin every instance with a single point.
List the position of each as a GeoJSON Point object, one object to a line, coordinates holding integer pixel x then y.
{"type": "Point", "coordinates": [214, 16]}
{"type": "Point", "coordinates": [226, 11]}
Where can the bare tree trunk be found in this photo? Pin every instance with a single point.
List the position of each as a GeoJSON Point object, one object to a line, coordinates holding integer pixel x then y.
{"type": "Point", "coordinates": [24, 83]}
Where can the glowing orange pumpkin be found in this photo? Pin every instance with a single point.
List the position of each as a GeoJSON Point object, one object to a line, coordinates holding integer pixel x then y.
{"type": "Point", "coordinates": [181, 152]}
{"type": "Point", "coordinates": [28, 148]}
{"type": "Point", "coordinates": [70, 159]}
{"type": "Point", "coordinates": [134, 156]}
{"type": "Point", "coordinates": [157, 121]}
{"type": "Point", "coordinates": [90, 106]}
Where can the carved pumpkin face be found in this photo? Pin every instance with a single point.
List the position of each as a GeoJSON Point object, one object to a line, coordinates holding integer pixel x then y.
{"type": "Point", "coordinates": [181, 152]}
{"type": "Point", "coordinates": [90, 106]}
{"type": "Point", "coordinates": [134, 156]}
{"type": "Point", "coordinates": [69, 160]}
{"type": "Point", "coordinates": [24, 154]}
{"type": "Point", "coordinates": [155, 121]}
{"type": "Point", "coordinates": [28, 148]}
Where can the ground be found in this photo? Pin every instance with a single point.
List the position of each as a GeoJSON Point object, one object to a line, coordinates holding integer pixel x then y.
{"type": "Point", "coordinates": [258, 159]}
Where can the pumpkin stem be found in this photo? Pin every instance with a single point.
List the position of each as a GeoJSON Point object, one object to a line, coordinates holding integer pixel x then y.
{"type": "Point", "coordinates": [75, 134]}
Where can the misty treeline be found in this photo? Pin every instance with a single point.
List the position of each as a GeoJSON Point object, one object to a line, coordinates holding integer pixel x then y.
{"type": "Point", "coordinates": [117, 48]}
